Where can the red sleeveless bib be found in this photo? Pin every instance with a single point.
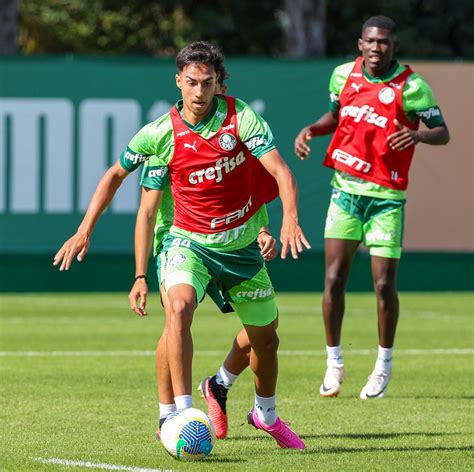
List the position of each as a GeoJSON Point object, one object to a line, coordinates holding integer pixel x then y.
{"type": "Point", "coordinates": [359, 145]}
{"type": "Point", "coordinates": [217, 184]}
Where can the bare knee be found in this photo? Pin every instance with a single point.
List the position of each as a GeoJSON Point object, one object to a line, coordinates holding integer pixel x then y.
{"type": "Point", "coordinates": [181, 315]}
{"type": "Point", "coordinates": [268, 343]}
{"type": "Point", "coordinates": [243, 347]}
{"type": "Point", "coordinates": [335, 283]}
{"type": "Point", "coordinates": [385, 289]}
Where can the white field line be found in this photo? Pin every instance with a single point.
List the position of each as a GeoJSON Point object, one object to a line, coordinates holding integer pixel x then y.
{"type": "Point", "coordinates": [283, 352]}
{"type": "Point", "coordinates": [92, 465]}
{"type": "Point", "coordinates": [443, 315]}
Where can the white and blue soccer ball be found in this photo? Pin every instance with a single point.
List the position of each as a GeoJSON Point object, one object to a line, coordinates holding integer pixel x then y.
{"type": "Point", "coordinates": [188, 435]}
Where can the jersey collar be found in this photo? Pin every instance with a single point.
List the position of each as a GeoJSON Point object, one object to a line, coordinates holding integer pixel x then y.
{"type": "Point", "coordinates": [392, 72]}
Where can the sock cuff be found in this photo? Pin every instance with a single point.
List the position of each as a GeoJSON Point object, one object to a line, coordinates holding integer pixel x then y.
{"type": "Point", "coordinates": [166, 409]}
{"type": "Point", "coordinates": [385, 352]}
{"type": "Point", "coordinates": [334, 356]}
{"type": "Point", "coordinates": [225, 378]}
{"type": "Point", "coordinates": [183, 401]}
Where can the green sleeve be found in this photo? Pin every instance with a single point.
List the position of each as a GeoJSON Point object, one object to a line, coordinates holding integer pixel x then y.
{"type": "Point", "coordinates": [139, 150]}
{"type": "Point", "coordinates": [419, 100]}
{"type": "Point", "coordinates": [154, 139]}
{"type": "Point", "coordinates": [154, 176]}
{"type": "Point", "coordinates": [336, 84]}
{"type": "Point", "coordinates": [253, 130]}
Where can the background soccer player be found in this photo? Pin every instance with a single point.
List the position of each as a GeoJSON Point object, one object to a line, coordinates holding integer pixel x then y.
{"type": "Point", "coordinates": [376, 104]}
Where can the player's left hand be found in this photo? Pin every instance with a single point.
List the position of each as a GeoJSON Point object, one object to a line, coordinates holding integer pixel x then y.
{"type": "Point", "coordinates": [138, 294]}
{"type": "Point", "coordinates": [292, 239]}
{"type": "Point", "coordinates": [268, 245]}
{"type": "Point", "coordinates": [403, 138]}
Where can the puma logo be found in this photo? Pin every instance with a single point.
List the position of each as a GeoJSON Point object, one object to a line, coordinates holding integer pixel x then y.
{"type": "Point", "coordinates": [191, 146]}
{"type": "Point", "coordinates": [356, 87]}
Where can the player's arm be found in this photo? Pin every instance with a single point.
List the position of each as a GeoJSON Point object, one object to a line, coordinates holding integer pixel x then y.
{"type": "Point", "coordinates": [406, 137]}
{"type": "Point", "coordinates": [140, 148]}
{"type": "Point", "coordinates": [103, 195]}
{"type": "Point", "coordinates": [328, 122]}
{"type": "Point", "coordinates": [419, 102]}
{"type": "Point", "coordinates": [146, 217]}
{"type": "Point", "coordinates": [325, 125]}
{"type": "Point", "coordinates": [292, 237]}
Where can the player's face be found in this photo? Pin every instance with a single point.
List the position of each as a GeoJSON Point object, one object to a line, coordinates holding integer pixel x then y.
{"type": "Point", "coordinates": [198, 84]}
{"type": "Point", "coordinates": [377, 46]}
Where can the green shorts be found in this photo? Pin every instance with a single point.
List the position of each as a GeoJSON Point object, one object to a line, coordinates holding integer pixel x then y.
{"type": "Point", "coordinates": [212, 289]}
{"type": "Point", "coordinates": [241, 276]}
{"type": "Point", "coordinates": [377, 222]}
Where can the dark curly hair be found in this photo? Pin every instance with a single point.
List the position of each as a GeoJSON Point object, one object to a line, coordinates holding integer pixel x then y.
{"type": "Point", "coordinates": [380, 21]}
{"type": "Point", "coordinates": [202, 52]}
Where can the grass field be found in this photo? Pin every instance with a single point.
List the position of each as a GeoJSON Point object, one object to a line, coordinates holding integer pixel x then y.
{"type": "Point", "coordinates": [77, 384]}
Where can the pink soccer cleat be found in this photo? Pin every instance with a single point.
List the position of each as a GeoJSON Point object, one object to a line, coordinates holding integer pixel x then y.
{"type": "Point", "coordinates": [216, 398]}
{"type": "Point", "coordinates": [280, 431]}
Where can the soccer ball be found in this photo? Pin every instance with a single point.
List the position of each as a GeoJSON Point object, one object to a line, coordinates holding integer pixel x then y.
{"type": "Point", "coordinates": [188, 435]}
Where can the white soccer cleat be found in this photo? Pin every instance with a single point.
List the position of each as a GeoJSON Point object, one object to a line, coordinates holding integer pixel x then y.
{"type": "Point", "coordinates": [333, 379]}
{"type": "Point", "coordinates": [376, 385]}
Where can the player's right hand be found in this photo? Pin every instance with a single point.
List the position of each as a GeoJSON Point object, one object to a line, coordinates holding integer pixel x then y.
{"type": "Point", "coordinates": [292, 239]}
{"type": "Point", "coordinates": [301, 147]}
{"type": "Point", "coordinates": [137, 297]}
{"type": "Point", "coordinates": [77, 244]}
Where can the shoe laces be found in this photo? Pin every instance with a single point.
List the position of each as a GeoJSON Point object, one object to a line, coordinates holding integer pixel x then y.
{"type": "Point", "coordinates": [378, 378]}
{"type": "Point", "coordinates": [285, 430]}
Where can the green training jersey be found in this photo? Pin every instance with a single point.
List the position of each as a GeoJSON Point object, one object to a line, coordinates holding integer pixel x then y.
{"type": "Point", "coordinates": [418, 101]}
{"type": "Point", "coordinates": [154, 145]}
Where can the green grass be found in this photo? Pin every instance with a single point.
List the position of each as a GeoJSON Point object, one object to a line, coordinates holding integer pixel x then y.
{"type": "Point", "coordinates": [103, 408]}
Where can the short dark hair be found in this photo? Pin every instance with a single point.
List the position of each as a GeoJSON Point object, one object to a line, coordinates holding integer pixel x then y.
{"type": "Point", "coordinates": [202, 52]}
{"type": "Point", "coordinates": [222, 74]}
{"type": "Point", "coordinates": [380, 21]}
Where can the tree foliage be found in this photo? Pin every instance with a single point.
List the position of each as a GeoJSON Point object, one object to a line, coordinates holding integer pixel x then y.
{"type": "Point", "coordinates": [140, 26]}
{"type": "Point", "coordinates": [428, 28]}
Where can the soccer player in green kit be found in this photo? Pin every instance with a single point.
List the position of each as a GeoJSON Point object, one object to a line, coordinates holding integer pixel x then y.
{"type": "Point", "coordinates": [210, 146]}
{"type": "Point", "coordinates": [376, 104]}
{"type": "Point", "coordinates": [216, 387]}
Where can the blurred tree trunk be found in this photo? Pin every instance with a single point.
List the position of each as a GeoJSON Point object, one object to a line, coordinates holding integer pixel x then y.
{"type": "Point", "coordinates": [8, 26]}
{"type": "Point", "coordinates": [304, 23]}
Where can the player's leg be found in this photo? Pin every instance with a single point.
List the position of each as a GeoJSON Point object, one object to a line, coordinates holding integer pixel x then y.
{"type": "Point", "coordinates": [214, 389]}
{"type": "Point", "coordinates": [185, 281]}
{"type": "Point", "coordinates": [238, 357]}
{"type": "Point", "coordinates": [264, 364]}
{"type": "Point", "coordinates": [165, 389]}
{"type": "Point", "coordinates": [383, 236]}
{"type": "Point", "coordinates": [343, 234]}
{"type": "Point", "coordinates": [183, 303]}
{"type": "Point", "coordinates": [163, 375]}
{"type": "Point", "coordinates": [384, 272]}
{"type": "Point", "coordinates": [253, 299]}
{"type": "Point", "coordinates": [339, 254]}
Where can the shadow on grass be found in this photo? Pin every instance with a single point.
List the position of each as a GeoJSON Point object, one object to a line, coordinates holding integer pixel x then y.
{"type": "Point", "coordinates": [400, 397]}
{"type": "Point", "coordinates": [339, 450]}
{"type": "Point", "coordinates": [370, 436]}
{"type": "Point", "coordinates": [223, 460]}
{"type": "Point", "coordinates": [433, 397]}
